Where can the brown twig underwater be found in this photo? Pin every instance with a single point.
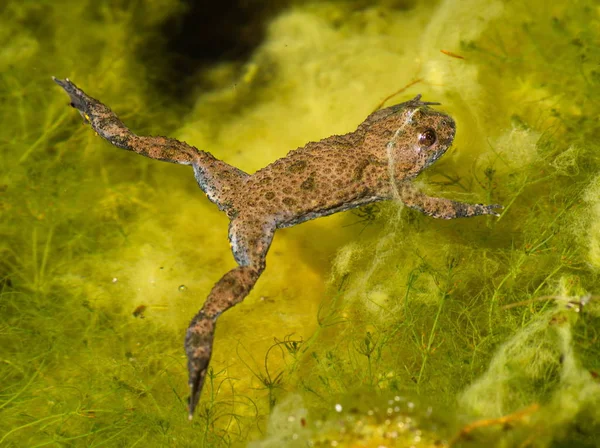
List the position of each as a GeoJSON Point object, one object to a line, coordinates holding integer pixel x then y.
{"type": "Point", "coordinates": [509, 419]}
{"type": "Point", "coordinates": [376, 162]}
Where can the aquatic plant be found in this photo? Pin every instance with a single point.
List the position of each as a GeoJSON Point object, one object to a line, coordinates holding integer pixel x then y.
{"type": "Point", "coordinates": [492, 324]}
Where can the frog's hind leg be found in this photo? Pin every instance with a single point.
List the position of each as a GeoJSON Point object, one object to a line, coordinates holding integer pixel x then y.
{"type": "Point", "coordinates": [250, 241]}
{"type": "Point", "coordinates": [215, 177]}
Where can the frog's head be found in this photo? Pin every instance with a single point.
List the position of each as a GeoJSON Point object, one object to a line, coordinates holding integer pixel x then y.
{"type": "Point", "coordinates": [412, 135]}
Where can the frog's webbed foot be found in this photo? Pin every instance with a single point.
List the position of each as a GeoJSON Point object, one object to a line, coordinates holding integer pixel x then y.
{"type": "Point", "coordinates": [441, 207]}
{"type": "Point", "coordinates": [79, 100]}
{"type": "Point", "coordinates": [493, 209]}
{"type": "Point", "coordinates": [198, 348]}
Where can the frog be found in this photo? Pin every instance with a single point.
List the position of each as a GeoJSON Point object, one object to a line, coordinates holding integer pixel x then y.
{"type": "Point", "coordinates": [378, 161]}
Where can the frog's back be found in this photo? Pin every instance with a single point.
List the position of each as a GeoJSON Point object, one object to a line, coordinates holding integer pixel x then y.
{"type": "Point", "coordinates": [318, 179]}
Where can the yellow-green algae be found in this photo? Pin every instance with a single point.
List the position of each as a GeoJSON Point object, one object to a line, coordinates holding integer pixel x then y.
{"type": "Point", "coordinates": [475, 319]}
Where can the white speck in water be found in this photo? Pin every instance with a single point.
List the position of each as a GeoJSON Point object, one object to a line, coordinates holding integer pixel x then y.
{"type": "Point", "coordinates": [338, 407]}
{"type": "Point", "coordinates": [115, 280]}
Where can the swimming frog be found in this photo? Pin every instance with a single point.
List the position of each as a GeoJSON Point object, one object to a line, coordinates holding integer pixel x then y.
{"type": "Point", "coordinates": [376, 162]}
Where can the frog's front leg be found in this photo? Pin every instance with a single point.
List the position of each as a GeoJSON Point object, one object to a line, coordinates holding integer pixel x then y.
{"type": "Point", "coordinates": [250, 241]}
{"type": "Point", "coordinates": [440, 207]}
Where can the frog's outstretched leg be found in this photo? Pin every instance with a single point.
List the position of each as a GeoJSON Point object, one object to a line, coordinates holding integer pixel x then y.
{"type": "Point", "coordinates": [215, 177]}
{"type": "Point", "coordinates": [250, 241]}
{"type": "Point", "coordinates": [440, 207]}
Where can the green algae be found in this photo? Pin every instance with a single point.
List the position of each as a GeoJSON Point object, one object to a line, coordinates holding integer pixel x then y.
{"type": "Point", "coordinates": [477, 318]}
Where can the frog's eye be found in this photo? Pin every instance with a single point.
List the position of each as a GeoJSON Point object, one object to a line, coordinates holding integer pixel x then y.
{"type": "Point", "coordinates": [427, 138]}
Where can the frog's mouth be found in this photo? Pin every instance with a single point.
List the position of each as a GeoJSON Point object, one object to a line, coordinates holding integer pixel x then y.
{"type": "Point", "coordinates": [434, 156]}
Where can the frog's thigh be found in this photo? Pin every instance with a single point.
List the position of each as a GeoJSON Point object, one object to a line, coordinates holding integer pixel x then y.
{"type": "Point", "coordinates": [250, 240]}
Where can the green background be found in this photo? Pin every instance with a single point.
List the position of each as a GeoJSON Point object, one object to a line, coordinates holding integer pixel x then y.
{"type": "Point", "coordinates": [362, 321]}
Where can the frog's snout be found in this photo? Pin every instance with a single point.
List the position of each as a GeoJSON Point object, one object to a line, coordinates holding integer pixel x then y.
{"type": "Point", "coordinates": [447, 130]}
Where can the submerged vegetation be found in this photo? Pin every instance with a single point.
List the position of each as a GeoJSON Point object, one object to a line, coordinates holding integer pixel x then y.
{"type": "Point", "coordinates": [480, 332]}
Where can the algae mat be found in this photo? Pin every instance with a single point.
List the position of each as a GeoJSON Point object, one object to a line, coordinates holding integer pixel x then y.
{"type": "Point", "coordinates": [380, 327]}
